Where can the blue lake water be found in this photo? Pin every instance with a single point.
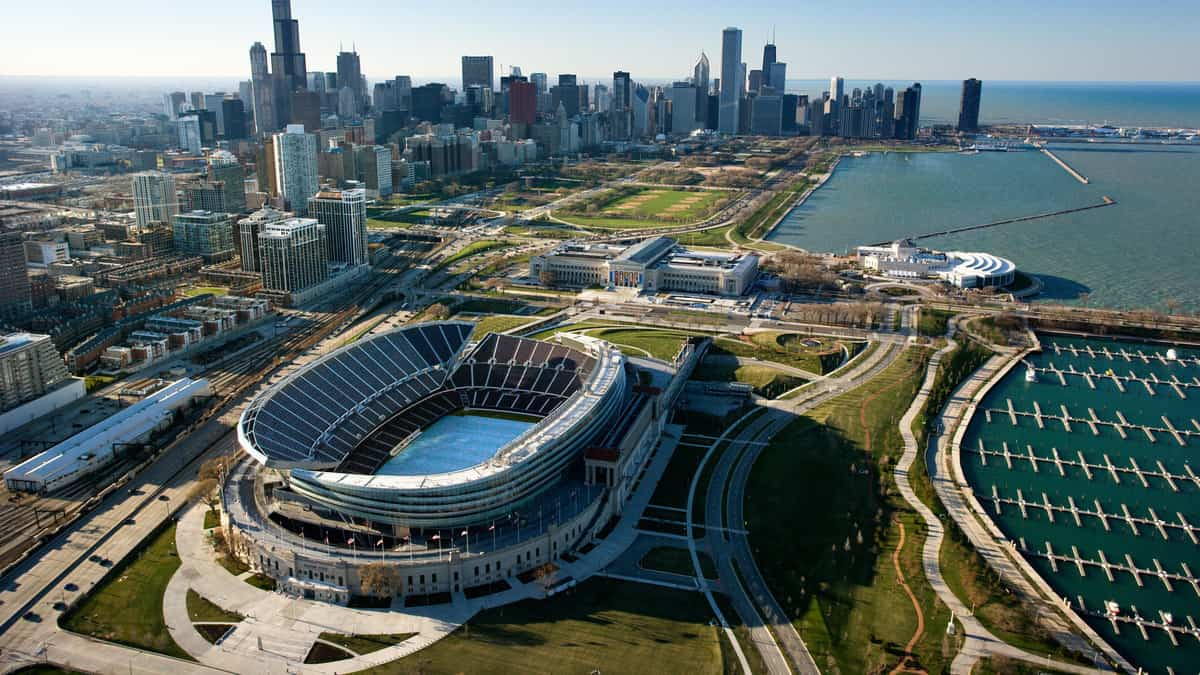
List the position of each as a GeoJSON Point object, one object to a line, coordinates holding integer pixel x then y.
{"type": "Point", "coordinates": [453, 443]}
{"type": "Point", "coordinates": [1137, 253]}
{"type": "Point", "coordinates": [1152, 104]}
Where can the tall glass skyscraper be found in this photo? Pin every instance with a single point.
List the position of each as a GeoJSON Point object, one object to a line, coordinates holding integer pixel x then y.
{"type": "Point", "coordinates": [732, 80]}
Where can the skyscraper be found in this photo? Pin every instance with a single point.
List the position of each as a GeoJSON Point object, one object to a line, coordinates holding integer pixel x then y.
{"type": "Point", "coordinates": [344, 215]}
{"type": "Point", "coordinates": [768, 61]}
{"type": "Point", "coordinates": [248, 230]}
{"type": "Point", "coordinates": [477, 71]}
{"type": "Point", "coordinates": [154, 199]}
{"type": "Point", "coordinates": [702, 79]}
{"type": "Point", "coordinates": [968, 105]}
{"type": "Point", "coordinates": [732, 80]}
{"type": "Point", "coordinates": [260, 90]}
{"type": "Point", "coordinates": [540, 81]}
{"type": "Point", "coordinates": [288, 68]}
{"type": "Point", "coordinates": [349, 75]}
{"type": "Point", "coordinates": [522, 102]}
{"type": "Point", "coordinates": [296, 167]}
{"type": "Point", "coordinates": [908, 111]}
{"type": "Point", "coordinates": [622, 104]}
{"type": "Point", "coordinates": [777, 77]}
{"type": "Point", "coordinates": [15, 292]}
{"type": "Point", "coordinates": [29, 367]}
{"type": "Point", "coordinates": [294, 254]}
{"type": "Point", "coordinates": [833, 106]}
{"type": "Point", "coordinates": [683, 107]}
{"type": "Point", "coordinates": [755, 83]}
{"type": "Point", "coordinates": [234, 114]}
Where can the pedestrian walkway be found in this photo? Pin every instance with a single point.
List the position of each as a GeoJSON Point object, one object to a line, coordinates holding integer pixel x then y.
{"type": "Point", "coordinates": [978, 642]}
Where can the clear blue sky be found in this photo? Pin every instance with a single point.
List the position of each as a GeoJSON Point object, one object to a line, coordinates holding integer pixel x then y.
{"type": "Point", "coordinates": [915, 39]}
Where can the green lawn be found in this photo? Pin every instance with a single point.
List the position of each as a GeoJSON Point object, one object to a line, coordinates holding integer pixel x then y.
{"type": "Point", "coordinates": [789, 349]}
{"type": "Point", "coordinates": [474, 248]}
{"type": "Point", "coordinates": [262, 581]}
{"type": "Point", "coordinates": [602, 624]}
{"type": "Point", "coordinates": [212, 518]}
{"type": "Point", "coordinates": [127, 606]}
{"type": "Point", "coordinates": [193, 291]}
{"type": "Point", "coordinates": [835, 574]}
{"type": "Point", "coordinates": [632, 339]}
{"type": "Point", "coordinates": [641, 208]}
{"type": "Point", "coordinates": [365, 644]}
{"type": "Point", "coordinates": [713, 236]}
{"type": "Point", "coordinates": [933, 322]}
{"type": "Point", "coordinates": [767, 381]}
{"type": "Point", "coordinates": [498, 323]}
{"type": "Point", "coordinates": [677, 561]}
{"type": "Point", "coordinates": [202, 609]}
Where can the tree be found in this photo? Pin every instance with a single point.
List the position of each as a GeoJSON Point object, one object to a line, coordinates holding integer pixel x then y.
{"type": "Point", "coordinates": [547, 278]}
{"type": "Point", "coordinates": [379, 580]}
{"type": "Point", "coordinates": [438, 312]}
{"type": "Point", "coordinates": [208, 492]}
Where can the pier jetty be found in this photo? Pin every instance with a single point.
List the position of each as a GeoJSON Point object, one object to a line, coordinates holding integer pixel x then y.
{"type": "Point", "coordinates": [1069, 169]}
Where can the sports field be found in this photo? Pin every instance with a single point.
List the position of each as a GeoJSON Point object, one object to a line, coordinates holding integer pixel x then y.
{"type": "Point", "coordinates": [642, 208]}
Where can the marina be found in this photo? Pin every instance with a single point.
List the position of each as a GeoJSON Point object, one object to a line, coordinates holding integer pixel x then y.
{"type": "Point", "coordinates": [1083, 458]}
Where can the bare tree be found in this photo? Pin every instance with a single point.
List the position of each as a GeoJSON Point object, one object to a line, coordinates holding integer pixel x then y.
{"type": "Point", "coordinates": [379, 579]}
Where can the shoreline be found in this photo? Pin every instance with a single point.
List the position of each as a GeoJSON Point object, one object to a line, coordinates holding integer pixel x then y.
{"type": "Point", "coordinates": [825, 177]}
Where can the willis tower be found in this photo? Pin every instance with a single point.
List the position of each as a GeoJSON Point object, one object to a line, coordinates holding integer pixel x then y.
{"type": "Point", "coordinates": [288, 70]}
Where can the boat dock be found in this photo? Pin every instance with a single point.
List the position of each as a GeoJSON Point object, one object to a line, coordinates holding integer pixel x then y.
{"type": "Point", "coordinates": [1077, 513]}
{"type": "Point", "coordinates": [1062, 464]}
{"type": "Point", "coordinates": [1094, 422]}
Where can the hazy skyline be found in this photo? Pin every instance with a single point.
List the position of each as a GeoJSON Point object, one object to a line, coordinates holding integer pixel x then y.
{"type": "Point", "coordinates": [1023, 40]}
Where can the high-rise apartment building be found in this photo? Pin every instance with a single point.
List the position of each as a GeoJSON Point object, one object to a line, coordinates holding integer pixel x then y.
{"type": "Point", "coordinates": [15, 293]}
{"type": "Point", "coordinates": [204, 233]}
{"type": "Point", "coordinates": [294, 254]}
{"type": "Point", "coordinates": [477, 71]}
{"type": "Point", "coordinates": [191, 138]}
{"type": "Point", "coordinates": [154, 199]}
{"type": "Point", "coordinates": [296, 167]}
{"type": "Point", "coordinates": [249, 228]}
{"type": "Point", "coordinates": [29, 367]}
{"type": "Point", "coordinates": [344, 215]}
{"type": "Point", "coordinates": [373, 165]}
{"type": "Point", "coordinates": [833, 105]}
{"type": "Point", "coordinates": [968, 105]}
{"type": "Point", "coordinates": [732, 81]}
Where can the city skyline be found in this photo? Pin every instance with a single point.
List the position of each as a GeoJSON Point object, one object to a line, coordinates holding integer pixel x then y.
{"type": "Point", "coordinates": [1006, 47]}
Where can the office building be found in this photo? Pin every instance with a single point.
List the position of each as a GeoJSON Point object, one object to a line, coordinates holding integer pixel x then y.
{"type": "Point", "coordinates": [173, 103]}
{"type": "Point", "coordinates": [261, 106]}
{"type": "Point", "coordinates": [477, 71]}
{"type": "Point", "coordinates": [373, 165]}
{"type": "Point", "coordinates": [755, 81]}
{"type": "Point", "coordinates": [344, 215]}
{"type": "Point", "coordinates": [294, 254]}
{"type": "Point", "coordinates": [908, 112]}
{"type": "Point", "coordinates": [522, 102]}
{"type": "Point", "coordinates": [212, 103]}
{"type": "Point", "coordinates": [154, 199]}
{"type": "Point", "coordinates": [295, 154]}
{"type": "Point", "coordinates": [249, 228]}
{"type": "Point", "coordinates": [16, 297]}
{"type": "Point", "coordinates": [682, 96]}
{"type": "Point", "coordinates": [288, 67]}
{"type": "Point", "coordinates": [428, 101]}
{"type": "Point", "coordinates": [768, 60]}
{"type": "Point", "coordinates": [204, 233]}
{"type": "Point", "coordinates": [233, 112]}
{"type": "Point", "coordinates": [540, 81]}
{"type": "Point", "coordinates": [968, 105]}
{"type": "Point", "coordinates": [567, 93]}
{"type": "Point", "coordinates": [732, 80]}
{"type": "Point", "coordinates": [776, 77]}
{"type": "Point", "coordinates": [766, 114]}
{"type": "Point", "coordinates": [305, 109]}
{"type": "Point", "coordinates": [349, 76]}
{"type": "Point", "coordinates": [833, 105]}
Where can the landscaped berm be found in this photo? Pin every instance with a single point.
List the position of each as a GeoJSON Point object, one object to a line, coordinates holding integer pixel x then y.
{"type": "Point", "coordinates": [601, 625]}
{"type": "Point", "coordinates": [641, 207]}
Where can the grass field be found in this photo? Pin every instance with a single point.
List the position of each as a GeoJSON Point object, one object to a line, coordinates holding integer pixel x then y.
{"type": "Point", "coordinates": [202, 609]}
{"type": "Point", "coordinates": [933, 322]}
{"type": "Point", "coordinates": [606, 625]}
{"type": "Point", "coordinates": [474, 248]}
{"type": "Point", "coordinates": [643, 208]}
{"type": "Point", "coordinates": [127, 606]}
{"type": "Point", "coordinates": [632, 339]}
{"type": "Point", "coordinates": [767, 381]}
{"type": "Point", "coordinates": [365, 644]}
{"type": "Point", "coordinates": [836, 574]}
{"type": "Point", "coordinates": [498, 323]}
{"type": "Point", "coordinates": [820, 356]}
{"type": "Point", "coordinates": [193, 291]}
{"type": "Point", "coordinates": [677, 561]}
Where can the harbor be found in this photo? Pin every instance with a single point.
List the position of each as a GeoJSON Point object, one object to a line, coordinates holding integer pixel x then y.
{"type": "Point", "coordinates": [1082, 456]}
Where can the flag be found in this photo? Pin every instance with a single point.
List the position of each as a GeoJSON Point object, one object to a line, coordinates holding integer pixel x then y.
{"type": "Point", "coordinates": [463, 534]}
{"type": "Point", "coordinates": [350, 541]}
{"type": "Point", "coordinates": [380, 543]}
{"type": "Point", "coordinates": [492, 527]}
{"type": "Point", "coordinates": [436, 537]}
